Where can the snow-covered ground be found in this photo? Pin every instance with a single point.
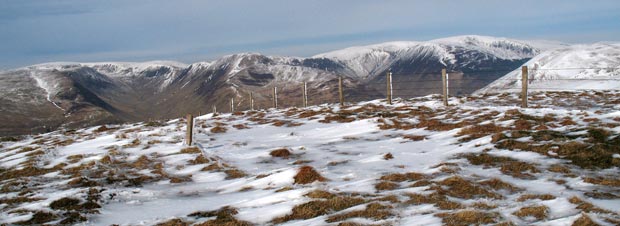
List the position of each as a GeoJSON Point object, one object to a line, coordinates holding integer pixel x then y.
{"type": "Point", "coordinates": [571, 68]}
{"type": "Point", "coordinates": [482, 160]}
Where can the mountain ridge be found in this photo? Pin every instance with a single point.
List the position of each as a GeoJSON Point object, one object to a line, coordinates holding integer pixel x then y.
{"type": "Point", "coordinates": [141, 91]}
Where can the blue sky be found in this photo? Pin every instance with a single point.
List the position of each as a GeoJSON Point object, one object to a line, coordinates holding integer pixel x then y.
{"type": "Point", "coordinates": [37, 31]}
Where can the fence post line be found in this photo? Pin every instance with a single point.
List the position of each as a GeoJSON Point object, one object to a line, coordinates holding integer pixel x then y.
{"type": "Point", "coordinates": [275, 97]}
{"type": "Point", "coordinates": [340, 91]}
{"type": "Point", "coordinates": [251, 101]}
{"type": "Point", "coordinates": [444, 81]}
{"type": "Point", "coordinates": [524, 76]}
{"type": "Point", "coordinates": [190, 128]}
{"type": "Point", "coordinates": [305, 95]}
{"type": "Point", "coordinates": [389, 86]}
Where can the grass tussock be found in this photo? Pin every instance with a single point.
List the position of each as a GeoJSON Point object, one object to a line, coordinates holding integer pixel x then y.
{"type": "Point", "coordinates": [234, 174]}
{"type": "Point", "coordinates": [200, 159]}
{"type": "Point", "coordinates": [28, 171]}
{"type": "Point", "coordinates": [307, 174]}
{"type": "Point", "coordinates": [508, 166]}
{"type": "Point", "coordinates": [240, 126]}
{"type": "Point", "coordinates": [437, 125]}
{"type": "Point", "coordinates": [613, 182]}
{"type": "Point", "coordinates": [388, 156]}
{"type": "Point", "coordinates": [39, 218]}
{"type": "Point", "coordinates": [281, 153]}
{"type": "Point", "coordinates": [458, 187]}
{"type": "Point", "coordinates": [586, 206]}
{"type": "Point", "coordinates": [174, 222]}
{"type": "Point", "coordinates": [218, 129]}
{"type": "Point", "coordinates": [537, 212]}
{"type": "Point", "coordinates": [400, 177]}
{"type": "Point", "coordinates": [526, 197]}
{"type": "Point", "coordinates": [584, 220]}
{"type": "Point", "coordinates": [468, 217]}
{"type": "Point", "coordinates": [321, 207]}
{"type": "Point", "coordinates": [497, 184]}
{"type": "Point", "coordinates": [18, 200]}
{"type": "Point", "coordinates": [386, 185]}
{"type": "Point", "coordinates": [223, 217]}
{"type": "Point", "coordinates": [441, 201]}
{"type": "Point", "coordinates": [190, 150]}
{"type": "Point", "coordinates": [478, 131]}
{"type": "Point", "coordinates": [373, 211]}
{"type": "Point", "coordinates": [340, 117]}
{"type": "Point", "coordinates": [102, 129]}
{"type": "Point", "coordinates": [414, 137]}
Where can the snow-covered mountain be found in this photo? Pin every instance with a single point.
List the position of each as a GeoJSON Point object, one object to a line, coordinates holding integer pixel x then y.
{"type": "Point", "coordinates": [461, 52]}
{"type": "Point", "coordinates": [65, 94]}
{"type": "Point", "coordinates": [577, 67]}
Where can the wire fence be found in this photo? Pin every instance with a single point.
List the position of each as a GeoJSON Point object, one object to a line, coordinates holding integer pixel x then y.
{"type": "Point", "coordinates": [416, 84]}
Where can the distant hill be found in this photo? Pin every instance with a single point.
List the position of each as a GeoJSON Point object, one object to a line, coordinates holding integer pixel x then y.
{"type": "Point", "coordinates": [43, 97]}
{"type": "Point", "coordinates": [577, 67]}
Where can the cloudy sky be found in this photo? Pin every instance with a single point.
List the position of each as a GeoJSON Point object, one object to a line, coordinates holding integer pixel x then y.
{"type": "Point", "coordinates": [37, 31]}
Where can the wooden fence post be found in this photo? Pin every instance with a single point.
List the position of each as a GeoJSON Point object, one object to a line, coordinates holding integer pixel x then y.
{"type": "Point", "coordinates": [340, 91]}
{"type": "Point", "coordinates": [251, 101]}
{"type": "Point", "coordinates": [444, 81]}
{"type": "Point", "coordinates": [524, 76]}
{"type": "Point", "coordinates": [275, 97]}
{"type": "Point", "coordinates": [305, 95]}
{"type": "Point", "coordinates": [232, 105]}
{"type": "Point", "coordinates": [190, 128]}
{"type": "Point", "coordinates": [389, 86]}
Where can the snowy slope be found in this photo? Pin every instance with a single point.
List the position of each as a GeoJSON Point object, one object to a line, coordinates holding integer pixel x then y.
{"type": "Point", "coordinates": [414, 162]}
{"type": "Point", "coordinates": [576, 67]}
{"type": "Point", "coordinates": [369, 60]}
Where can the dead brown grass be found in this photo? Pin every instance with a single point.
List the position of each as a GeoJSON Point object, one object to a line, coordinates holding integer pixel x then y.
{"type": "Point", "coordinates": [190, 150]}
{"type": "Point", "coordinates": [538, 212]}
{"type": "Point", "coordinates": [613, 182]}
{"type": "Point", "coordinates": [307, 174]}
{"type": "Point", "coordinates": [388, 156]}
{"type": "Point", "coordinates": [437, 125]}
{"type": "Point", "coordinates": [414, 137]}
{"type": "Point", "coordinates": [525, 197]}
{"type": "Point", "coordinates": [173, 222]}
{"type": "Point", "coordinates": [478, 131]}
{"type": "Point", "coordinates": [497, 184]}
{"type": "Point", "coordinates": [39, 218]}
{"type": "Point", "coordinates": [320, 194]}
{"type": "Point", "coordinates": [373, 211]}
{"type": "Point", "coordinates": [200, 159]}
{"type": "Point", "coordinates": [400, 177]}
{"type": "Point", "coordinates": [441, 201]}
{"type": "Point", "coordinates": [584, 220]}
{"type": "Point", "coordinates": [340, 117]}
{"type": "Point", "coordinates": [240, 126]}
{"type": "Point", "coordinates": [321, 207]}
{"type": "Point", "coordinates": [281, 153]}
{"type": "Point", "coordinates": [508, 166]}
{"type": "Point", "coordinates": [386, 185]}
{"type": "Point", "coordinates": [234, 174]}
{"type": "Point", "coordinates": [586, 206]}
{"type": "Point", "coordinates": [556, 168]}
{"type": "Point", "coordinates": [461, 188]}
{"type": "Point", "coordinates": [218, 129]}
{"type": "Point", "coordinates": [468, 217]}
{"type": "Point", "coordinates": [223, 217]}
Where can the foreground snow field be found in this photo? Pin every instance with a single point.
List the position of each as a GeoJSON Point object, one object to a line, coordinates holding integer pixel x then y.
{"type": "Point", "coordinates": [482, 160]}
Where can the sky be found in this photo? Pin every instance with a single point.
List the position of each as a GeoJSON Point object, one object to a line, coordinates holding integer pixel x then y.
{"type": "Point", "coordinates": [39, 31]}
